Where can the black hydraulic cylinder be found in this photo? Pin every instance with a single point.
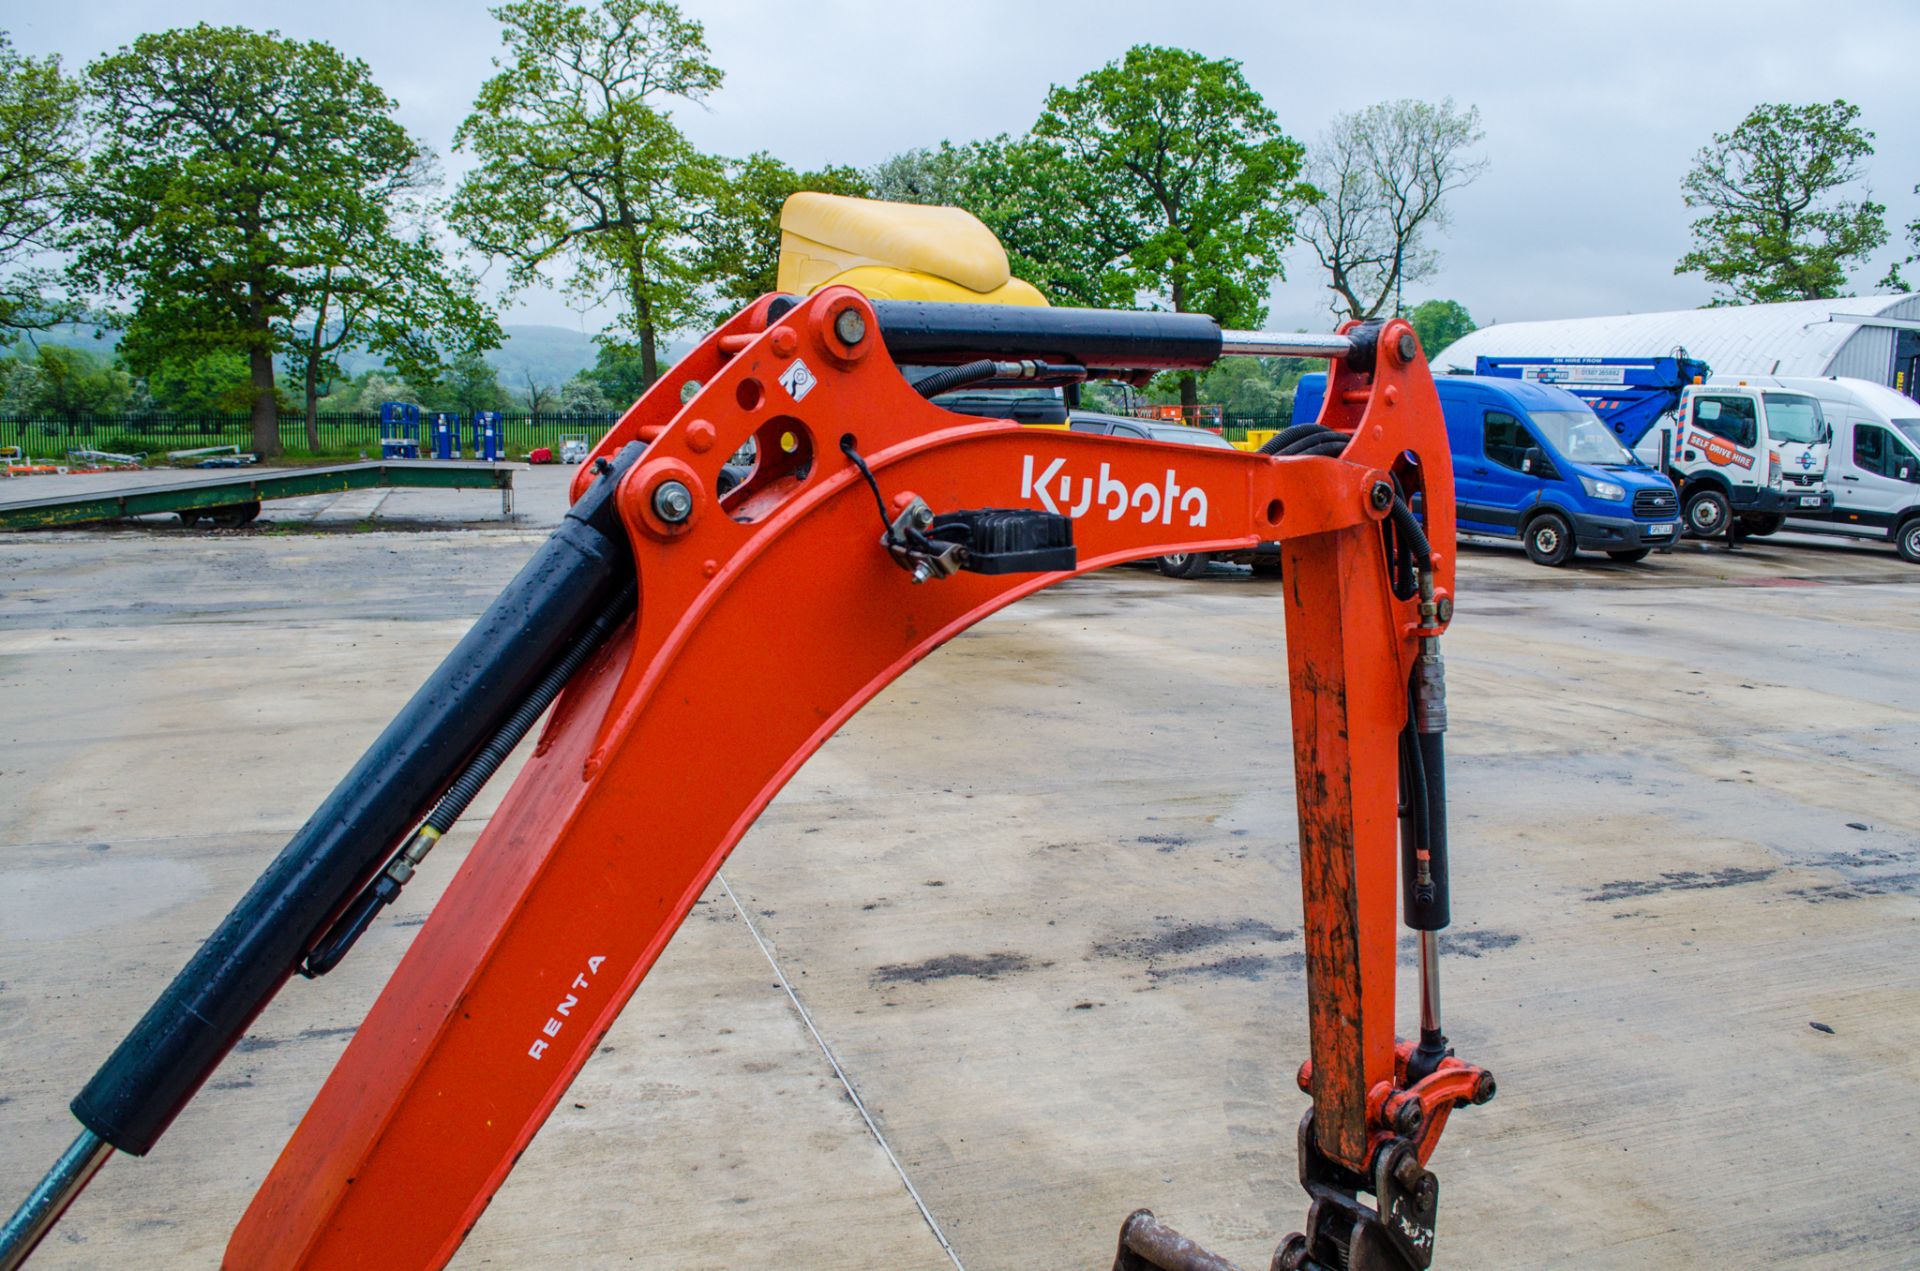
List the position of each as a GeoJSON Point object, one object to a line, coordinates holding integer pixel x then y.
{"type": "Point", "coordinates": [182, 1038]}
{"type": "Point", "coordinates": [938, 333]}
{"type": "Point", "coordinates": [1426, 902]}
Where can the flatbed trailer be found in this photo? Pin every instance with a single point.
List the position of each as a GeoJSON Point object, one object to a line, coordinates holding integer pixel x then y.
{"type": "Point", "coordinates": [239, 494]}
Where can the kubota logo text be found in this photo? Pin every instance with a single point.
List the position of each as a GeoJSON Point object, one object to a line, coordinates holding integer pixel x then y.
{"type": "Point", "coordinates": [1149, 501]}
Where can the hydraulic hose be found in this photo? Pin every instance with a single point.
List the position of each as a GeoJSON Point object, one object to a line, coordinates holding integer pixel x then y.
{"type": "Point", "coordinates": [346, 931]}
{"type": "Point", "coordinates": [949, 378]}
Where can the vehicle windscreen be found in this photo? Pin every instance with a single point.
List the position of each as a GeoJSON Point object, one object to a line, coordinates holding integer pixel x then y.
{"type": "Point", "coordinates": [1189, 436]}
{"type": "Point", "coordinates": [1580, 436]}
{"type": "Point", "coordinates": [1794, 418]}
{"type": "Point", "coordinates": [1910, 429]}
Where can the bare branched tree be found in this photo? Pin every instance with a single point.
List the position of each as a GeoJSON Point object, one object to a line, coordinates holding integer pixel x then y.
{"type": "Point", "coordinates": [1384, 174]}
{"type": "Point", "coordinates": [538, 397]}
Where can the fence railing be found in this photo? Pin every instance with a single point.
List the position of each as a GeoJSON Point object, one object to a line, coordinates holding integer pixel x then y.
{"type": "Point", "coordinates": [51, 436]}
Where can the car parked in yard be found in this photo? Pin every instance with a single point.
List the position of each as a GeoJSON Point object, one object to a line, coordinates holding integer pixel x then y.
{"type": "Point", "coordinates": [1263, 559]}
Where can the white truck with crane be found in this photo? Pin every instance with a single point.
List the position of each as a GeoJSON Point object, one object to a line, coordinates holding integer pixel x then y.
{"type": "Point", "coordinates": [1745, 453]}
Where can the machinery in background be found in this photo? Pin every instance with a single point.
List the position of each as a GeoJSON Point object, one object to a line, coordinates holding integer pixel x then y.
{"type": "Point", "coordinates": [1532, 462]}
{"type": "Point", "coordinates": [399, 430]}
{"type": "Point", "coordinates": [1742, 460]}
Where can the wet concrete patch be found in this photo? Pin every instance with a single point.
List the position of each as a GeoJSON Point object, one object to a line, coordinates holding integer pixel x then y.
{"type": "Point", "coordinates": [1462, 942]}
{"type": "Point", "coordinates": [248, 1044]}
{"type": "Point", "coordinates": [1867, 871]}
{"type": "Point", "coordinates": [1193, 936]}
{"type": "Point", "coordinates": [1245, 966]}
{"type": "Point", "coordinates": [989, 966]}
{"type": "Point", "coordinates": [1165, 951]}
{"type": "Point", "coordinates": [1678, 880]}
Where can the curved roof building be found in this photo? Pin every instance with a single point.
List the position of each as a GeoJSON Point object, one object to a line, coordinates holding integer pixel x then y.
{"type": "Point", "coordinates": [1867, 337]}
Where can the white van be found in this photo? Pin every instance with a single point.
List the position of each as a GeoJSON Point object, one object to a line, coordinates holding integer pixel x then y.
{"type": "Point", "coordinates": [1745, 451]}
{"type": "Point", "coordinates": [1873, 467]}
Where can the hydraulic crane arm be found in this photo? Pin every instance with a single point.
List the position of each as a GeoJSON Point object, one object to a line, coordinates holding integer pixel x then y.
{"type": "Point", "coordinates": [703, 646]}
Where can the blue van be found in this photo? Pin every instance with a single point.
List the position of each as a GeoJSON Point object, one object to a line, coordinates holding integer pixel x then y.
{"type": "Point", "coordinates": [1533, 462]}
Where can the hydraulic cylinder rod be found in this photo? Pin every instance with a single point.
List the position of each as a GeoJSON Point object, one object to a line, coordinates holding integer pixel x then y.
{"type": "Point", "coordinates": [37, 1214]}
{"type": "Point", "coordinates": [154, 1072]}
{"type": "Point", "coordinates": [939, 333]}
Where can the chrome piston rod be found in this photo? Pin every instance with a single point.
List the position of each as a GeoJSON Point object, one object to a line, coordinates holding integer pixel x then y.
{"type": "Point", "coordinates": [43, 1207]}
{"type": "Point", "coordinates": [1284, 344]}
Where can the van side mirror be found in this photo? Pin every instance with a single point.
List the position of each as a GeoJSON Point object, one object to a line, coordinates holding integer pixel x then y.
{"type": "Point", "coordinates": [1534, 460]}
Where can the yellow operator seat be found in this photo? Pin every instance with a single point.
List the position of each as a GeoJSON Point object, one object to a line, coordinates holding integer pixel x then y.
{"type": "Point", "coordinates": [894, 251]}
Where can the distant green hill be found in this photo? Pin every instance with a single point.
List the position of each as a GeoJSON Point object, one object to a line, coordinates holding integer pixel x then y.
{"type": "Point", "coordinates": [553, 355]}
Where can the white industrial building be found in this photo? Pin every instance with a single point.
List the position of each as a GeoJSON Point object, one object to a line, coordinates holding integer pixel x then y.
{"type": "Point", "coordinates": [1866, 337]}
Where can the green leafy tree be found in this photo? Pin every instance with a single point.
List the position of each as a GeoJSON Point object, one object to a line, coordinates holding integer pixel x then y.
{"type": "Point", "coordinates": [470, 384]}
{"type": "Point", "coordinates": [393, 294]}
{"type": "Point", "coordinates": [218, 383]}
{"type": "Point", "coordinates": [1439, 323]}
{"type": "Point", "coordinates": [1383, 176]}
{"type": "Point", "coordinates": [1893, 280]}
{"type": "Point", "coordinates": [236, 172]}
{"type": "Point", "coordinates": [581, 395]}
{"type": "Point", "coordinates": [39, 160]}
{"type": "Point", "coordinates": [1774, 227]}
{"type": "Point", "coordinates": [739, 230]}
{"type": "Point", "coordinates": [66, 383]}
{"type": "Point", "coordinates": [578, 166]}
{"type": "Point", "coordinates": [618, 370]}
{"type": "Point", "coordinates": [936, 175]}
{"type": "Point", "coordinates": [1036, 200]}
{"type": "Point", "coordinates": [383, 386]}
{"type": "Point", "coordinates": [1175, 158]}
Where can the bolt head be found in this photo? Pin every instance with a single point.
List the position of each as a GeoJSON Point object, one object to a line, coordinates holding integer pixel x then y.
{"type": "Point", "coordinates": [672, 502]}
{"type": "Point", "coordinates": [1410, 1118]}
{"type": "Point", "coordinates": [1408, 346]}
{"type": "Point", "coordinates": [1381, 494]}
{"type": "Point", "coordinates": [850, 326]}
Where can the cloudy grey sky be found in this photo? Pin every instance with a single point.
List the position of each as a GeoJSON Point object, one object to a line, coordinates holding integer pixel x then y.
{"type": "Point", "coordinates": [1592, 111]}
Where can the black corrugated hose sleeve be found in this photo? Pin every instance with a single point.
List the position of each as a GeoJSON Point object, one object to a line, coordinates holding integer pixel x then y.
{"type": "Point", "coordinates": [1278, 443]}
{"type": "Point", "coordinates": [953, 377]}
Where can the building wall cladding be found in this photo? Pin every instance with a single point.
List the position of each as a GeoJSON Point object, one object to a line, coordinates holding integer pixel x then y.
{"type": "Point", "coordinates": [1795, 338]}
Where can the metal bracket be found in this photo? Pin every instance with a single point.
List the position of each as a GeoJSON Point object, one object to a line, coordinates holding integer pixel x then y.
{"type": "Point", "coordinates": [904, 540]}
{"type": "Point", "coordinates": [1343, 1232]}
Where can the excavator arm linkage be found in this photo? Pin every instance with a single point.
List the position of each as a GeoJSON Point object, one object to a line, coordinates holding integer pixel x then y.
{"type": "Point", "coordinates": [767, 616]}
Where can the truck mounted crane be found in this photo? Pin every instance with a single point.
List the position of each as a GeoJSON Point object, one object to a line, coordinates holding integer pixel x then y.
{"type": "Point", "coordinates": [872, 527]}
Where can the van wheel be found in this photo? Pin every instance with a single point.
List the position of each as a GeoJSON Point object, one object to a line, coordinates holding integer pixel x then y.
{"type": "Point", "coordinates": [1549, 539]}
{"type": "Point", "coordinates": [1707, 513]}
{"type": "Point", "coordinates": [1762, 524]}
{"type": "Point", "coordinates": [1184, 564]}
{"type": "Point", "coordinates": [1631, 554]}
{"type": "Point", "coordinates": [1909, 541]}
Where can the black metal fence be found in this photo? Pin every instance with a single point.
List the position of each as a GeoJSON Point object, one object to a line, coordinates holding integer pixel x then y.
{"type": "Point", "coordinates": [339, 436]}
{"type": "Point", "coordinates": [51, 436]}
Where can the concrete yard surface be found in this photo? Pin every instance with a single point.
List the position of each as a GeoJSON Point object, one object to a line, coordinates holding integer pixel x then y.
{"type": "Point", "coordinates": [1039, 902]}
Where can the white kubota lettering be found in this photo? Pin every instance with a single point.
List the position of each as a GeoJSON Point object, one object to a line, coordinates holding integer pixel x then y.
{"type": "Point", "coordinates": [1150, 501]}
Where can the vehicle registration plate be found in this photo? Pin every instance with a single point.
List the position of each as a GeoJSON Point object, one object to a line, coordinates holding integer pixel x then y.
{"type": "Point", "coordinates": [1809, 500]}
{"type": "Point", "coordinates": [1659, 531]}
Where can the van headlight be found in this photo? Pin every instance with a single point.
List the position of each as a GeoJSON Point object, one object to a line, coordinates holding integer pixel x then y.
{"type": "Point", "coordinates": [1603, 489]}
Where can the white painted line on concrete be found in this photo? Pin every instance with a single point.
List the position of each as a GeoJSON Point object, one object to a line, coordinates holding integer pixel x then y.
{"type": "Point", "coordinates": [839, 1072]}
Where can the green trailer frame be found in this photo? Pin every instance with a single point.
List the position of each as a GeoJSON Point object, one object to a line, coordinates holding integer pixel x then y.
{"type": "Point", "coordinates": [239, 489]}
